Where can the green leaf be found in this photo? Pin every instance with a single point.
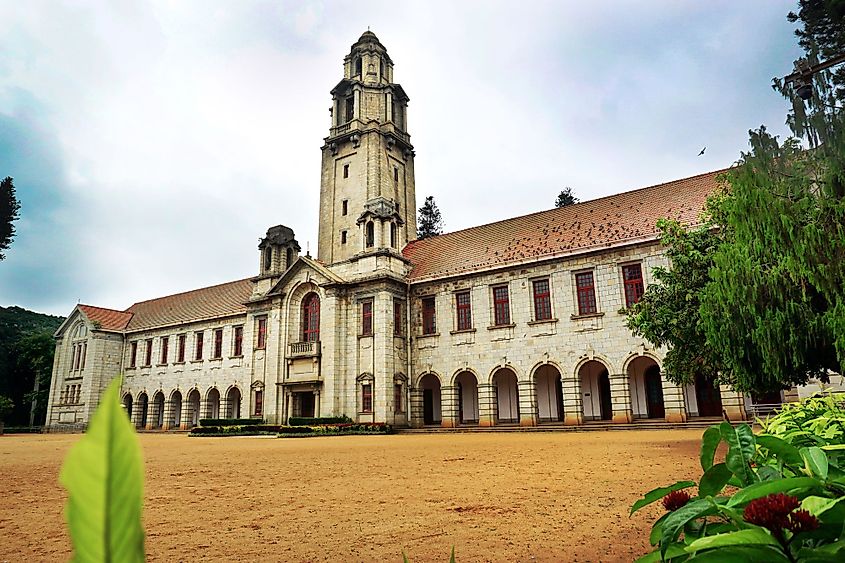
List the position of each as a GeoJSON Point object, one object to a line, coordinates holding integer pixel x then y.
{"type": "Point", "coordinates": [768, 473]}
{"type": "Point", "coordinates": [676, 521]}
{"type": "Point", "coordinates": [815, 461]}
{"type": "Point", "coordinates": [751, 536]}
{"type": "Point", "coordinates": [764, 488]}
{"type": "Point", "coordinates": [736, 459]}
{"type": "Point", "coordinates": [747, 441]}
{"type": "Point", "coordinates": [709, 442]}
{"type": "Point", "coordinates": [452, 558]}
{"type": "Point", "coordinates": [714, 480]}
{"type": "Point", "coordinates": [659, 493]}
{"type": "Point", "coordinates": [742, 554]}
{"type": "Point", "coordinates": [104, 477]}
{"type": "Point", "coordinates": [784, 451]}
{"type": "Point", "coordinates": [672, 551]}
{"type": "Point", "coordinates": [657, 530]}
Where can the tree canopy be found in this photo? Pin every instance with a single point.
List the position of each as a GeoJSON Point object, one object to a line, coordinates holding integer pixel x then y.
{"type": "Point", "coordinates": [565, 197]}
{"type": "Point", "coordinates": [430, 222]}
{"type": "Point", "coordinates": [9, 213]}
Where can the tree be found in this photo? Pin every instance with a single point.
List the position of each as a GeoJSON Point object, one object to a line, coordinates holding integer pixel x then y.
{"type": "Point", "coordinates": [35, 356]}
{"type": "Point", "coordinates": [9, 212]}
{"type": "Point", "coordinates": [430, 222]}
{"type": "Point", "coordinates": [565, 197]}
{"type": "Point", "coordinates": [822, 30]}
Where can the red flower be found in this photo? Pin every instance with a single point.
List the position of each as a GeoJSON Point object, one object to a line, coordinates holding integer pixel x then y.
{"type": "Point", "coordinates": [675, 500]}
{"type": "Point", "coordinates": [772, 512]}
{"type": "Point", "coordinates": [802, 521]}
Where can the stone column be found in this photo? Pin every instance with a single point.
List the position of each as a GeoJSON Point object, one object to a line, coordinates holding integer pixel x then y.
{"type": "Point", "coordinates": [317, 404]}
{"type": "Point", "coordinates": [674, 404]}
{"type": "Point", "coordinates": [224, 408]}
{"type": "Point", "coordinates": [205, 408]}
{"type": "Point", "coordinates": [733, 403]}
{"type": "Point", "coordinates": [416, 407]}
{"type": "Point", "coordinates": [168, 415]}
{"type": "Point", "coordinates": [573, 402]}
{"type": "Point", "coordinates": [449, 407]}
{"type": "Point", "coordinates": [528, 415]}
{"type": "Point", "coordinates": [152, 415]}
{"type": "Point", "coordinates": [620, 398]}
{"type": "Point", "coordinates": [187, 414]}
{"type": "Point", "coordinates": [137, 413]}
{"type": "Point", "coordinates": [486, 405]}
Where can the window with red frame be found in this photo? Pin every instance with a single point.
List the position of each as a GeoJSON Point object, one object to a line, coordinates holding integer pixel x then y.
{"type": "Point", "coordinates": [198, 339]}
{"type": "Point", "coordinates": [261, 340]}
{"type": "Point", "coordinates": [429, 316]}
{"type": "Point", "coordinates": [398, 317]}
{"type": "Point", "coordinates": [366, 398]}
{"type": "Point", "coordinates": [397, 397]}
{"type": "Point", "coordinates": [586, 293]}
{"type": "Point", "coordinates": [464, 310]}
{"type": "Point", "coordinates": [218, 343]}
{"type": "Point", "coordinates": [180, 348]}
{"type": "Point", "coordinates": [542, 300]}
{"type": "Point", "coordinates": [148, 353]}
{"type": "Point", "coordinates": [632, 277]}
{"type": "Point", "coordinates": [133, 354]}
{"type": "Point", "coordinates": [259, 402]}
{"type": "Point", "coordinates": [238, 344]}
{"type": "Point", "coordinates": [366, 318]}
{"type": "Point", "coordinates": [165, 345]}
{"type": "Point", "coordinates": [501, 306]}
{"type": "Point", "coordinates": [311, 318]}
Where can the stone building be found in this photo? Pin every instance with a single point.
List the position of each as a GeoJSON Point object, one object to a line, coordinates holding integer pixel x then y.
{"type": "Point", "coordinates": [520, 321]}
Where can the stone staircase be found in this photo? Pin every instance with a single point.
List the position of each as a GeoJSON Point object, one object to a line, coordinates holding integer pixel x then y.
{"type": "Point", "coordinates": [696, 423]}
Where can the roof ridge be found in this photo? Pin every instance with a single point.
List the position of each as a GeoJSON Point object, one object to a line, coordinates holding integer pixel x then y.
{"type": "Point", "coordinates": [128, 309]}
{"type": "Point", "coordinates": [418, 241]}
{"type": "Point", "coordinates": [102, 308]}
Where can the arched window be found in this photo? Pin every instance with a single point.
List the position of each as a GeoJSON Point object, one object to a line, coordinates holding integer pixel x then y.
{"type": "Point", "coordinates": [268, 258]}
{"type": "Point", "coordinates": [311, 318]}
{"type": "Point", "coordinates": [371, 234]}
{"type": "Point", "coordinates": [289, 262]}
{"type": "Point", "coordinates": [393, 235]}
{"type": "Point", "coordinates": [358, 66]}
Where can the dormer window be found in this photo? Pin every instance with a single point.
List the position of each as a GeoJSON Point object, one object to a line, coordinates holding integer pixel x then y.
{"type": "Point", "coordinates": [371, 234]}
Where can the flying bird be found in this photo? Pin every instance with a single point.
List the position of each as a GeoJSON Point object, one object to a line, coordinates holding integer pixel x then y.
{"type": "Point", "coordinates": [702, 151]}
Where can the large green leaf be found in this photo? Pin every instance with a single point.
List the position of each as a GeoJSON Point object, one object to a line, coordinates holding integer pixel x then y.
{"type": "Point", "coordinates": [785, 451]}
{"type": "Point", "coordinates": [742, 554]}
{"type": "Point", "coordinates": [104, 476]}
{"type": "Point", "coordinates": [764, 488]}
{"type": "Point", "coordinates": [736, 458]}
{"type": "Point", "coordinates": [747, 441]}
{"type": "Point", "coordinates": [709, 442]}
{"type": "Point", "coordinates": [659, 493]}
{"type": "Point", "coordinates": [714, 480]}
{"type": "Point", "coordinates": [672, 551]}
{"type": "Point", "coordinates": [751, 536]}
{"type": "Point", "coordinates": [815, 461]}
{"type": "Point", "coordinates": [657, 530]}
{"type": "Point", "coordinates": [676, 521]}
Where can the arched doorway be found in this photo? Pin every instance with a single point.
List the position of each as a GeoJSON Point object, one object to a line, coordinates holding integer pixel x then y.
{"type": "Point", "coordinates": [158, 408]}
{"type": "Point", "coordinates": [646, 386]}
{"type": "Point", "coordinates": [467, 385]}
{"type": "Point", "coordinates": [175, 410]}
{"type": "Point", "coordinates": [507, 395]}
{"type": "Point", "coordinates": [194, 406]}
{"type": "Point", "coordinates": [430, 386]}
{"type": "Point", "coordinates": [212, 403]}
{"type": "Point", "coordinates": [143, 407]}
{"type": "Point", "coordinates": [595, 388]}
{"type": "Point", "coordinates": [549, 387]}
{"type": "Point", "coordinates": [233, 403]}
{"type": "Point", "coordinates": [127, 405]}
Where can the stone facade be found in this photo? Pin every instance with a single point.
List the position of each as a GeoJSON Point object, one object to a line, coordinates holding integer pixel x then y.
{"type": "Point", "coordinates": [383, 328]}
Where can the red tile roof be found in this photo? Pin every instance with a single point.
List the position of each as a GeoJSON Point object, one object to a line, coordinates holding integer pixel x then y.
{"type": "Point", "coordinates": [108, 319]}
{"type": "Point", "coordinates": [209, 302]}
{"type": "Point", "coordinates": [594, 224]}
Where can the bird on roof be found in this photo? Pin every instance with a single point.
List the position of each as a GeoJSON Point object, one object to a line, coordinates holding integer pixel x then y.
{"type": "Point", "coordinates": [702, 151]}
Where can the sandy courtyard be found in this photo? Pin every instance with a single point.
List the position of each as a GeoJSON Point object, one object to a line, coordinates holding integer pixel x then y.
{"type": "Point", "coordinates": [495, 497]}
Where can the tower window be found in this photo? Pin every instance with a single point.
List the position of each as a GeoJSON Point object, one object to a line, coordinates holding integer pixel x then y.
{"type": "Point", "coordinates": [268, 258]}
{"type": "Point", "coordinates": [342, 237]}
{"type": "Point", "coordinates": [289, 258]}
{"type": "Point", "coordinates": [395, 173]}
{"type": "Point", "coordinates": [346, 171]}
{"type": "Point", "coordinates": [371, 234]}
{"type": "Point", "coordinates": [381, 69]}
{"type": "Point", "coordinates": [344, 207]}
{"type": "Point", "coordinates": [358, 66]}
{"type": "Point", "coordinates": [367, 318]}
{"type": "Point", "coordinates": [393, 235]}
{"type": "Point", "coordinates": [350, 108]}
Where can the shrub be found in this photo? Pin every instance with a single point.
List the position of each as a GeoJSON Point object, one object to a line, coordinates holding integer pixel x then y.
{"type": "Point", "coordinates": [785, 503]}
{"type": "Point", "coordinates": [311, 421]}
{"type": "Point", "coordinates": [230, 421]}
{"type": "Point", "coordinates": [247, 430]}
{"type": "Point", "coordinates": [22, 430]}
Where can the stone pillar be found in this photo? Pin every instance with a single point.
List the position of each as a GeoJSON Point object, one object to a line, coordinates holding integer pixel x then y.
{"type": "Point", "coordinates": [137, 413]}
{"type": "Point", "coordinates": [674, 404]}
{"type": "Point", "coordinates": [168, 415]}
{"type": "Point", "coordinates": [205, 408]}
{"type": "Point", "coordinates": [449, 407]}
{"type": "Point", "coordinates": [187, 414]}
{"type": "Point", "coordinates": [317, 404]}
{"type": "Point", "coordinates": [224, 408]}
{"type": "Point", "coordinates": [573, 402]}
{"type": "Point", "coordinates": [620, 398]}
{"type": "Point", "coordinates": [528, 415]}
{"type": "Point", "coordinates": [152, 415]}
{"type": "Point", "coordinates": [416, 407]}
{"type": "Point", "coordinates": [486, 405]}
{"type": "Point", "coordinates": [733, 404]}
{"type": "Point", "coordinates": [791, 395]}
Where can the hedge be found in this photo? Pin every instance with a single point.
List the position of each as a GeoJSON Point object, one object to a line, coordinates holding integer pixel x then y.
{"type": "Point", "coordinates": [293, 431]}
{"type": "Point", "coordinates": [312, 421]}
{"type": "Point", "coordinates": [243, 430]}
{"type": "Point", "coordinates": [21, 430]}
{"type": "Point", "coordinates": [230, 421]}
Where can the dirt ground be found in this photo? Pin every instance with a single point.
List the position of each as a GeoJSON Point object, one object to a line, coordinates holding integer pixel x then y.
{"type": "Point", "coordinates": [495, 497]}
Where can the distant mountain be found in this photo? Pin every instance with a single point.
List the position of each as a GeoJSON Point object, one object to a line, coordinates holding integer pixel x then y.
{"type": "Point", "coordinates": [16, 377]}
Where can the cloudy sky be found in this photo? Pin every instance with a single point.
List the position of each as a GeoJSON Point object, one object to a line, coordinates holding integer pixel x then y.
{"type": "Point", "coordinates": [153, 143]}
